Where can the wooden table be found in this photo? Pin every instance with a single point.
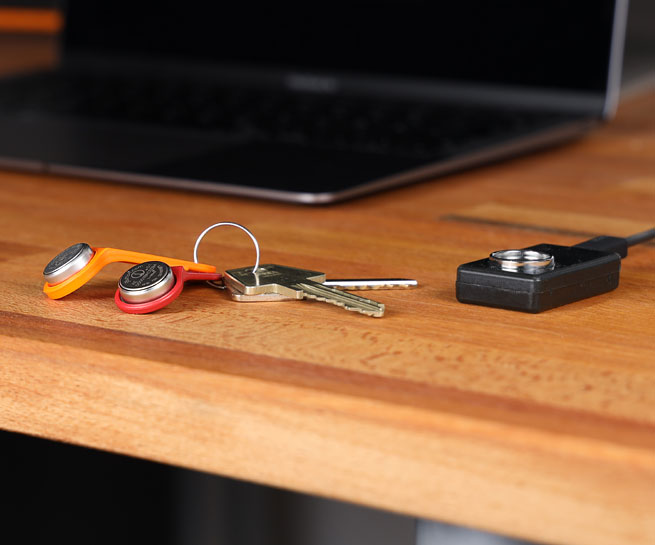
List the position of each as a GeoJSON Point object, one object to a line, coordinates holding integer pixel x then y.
{"type": "Point", "coordinates": [539, 426]}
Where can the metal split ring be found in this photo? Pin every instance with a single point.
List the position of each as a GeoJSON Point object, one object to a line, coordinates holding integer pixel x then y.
{"type": "Point", "coordinates": [220, 224]}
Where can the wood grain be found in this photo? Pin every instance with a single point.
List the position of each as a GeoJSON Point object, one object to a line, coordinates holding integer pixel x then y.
{"type": "Point", "coordinates": [538, 426]}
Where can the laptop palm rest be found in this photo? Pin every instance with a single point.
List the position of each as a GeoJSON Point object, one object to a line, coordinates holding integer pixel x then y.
{"type": "Point", "coordinates": [291, 167]}
{"type": "Point", "coordinates": [96, 145]}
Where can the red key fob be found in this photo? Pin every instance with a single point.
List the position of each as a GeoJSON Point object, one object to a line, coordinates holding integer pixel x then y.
{"type": "Point", "coordinates": [152, 285]}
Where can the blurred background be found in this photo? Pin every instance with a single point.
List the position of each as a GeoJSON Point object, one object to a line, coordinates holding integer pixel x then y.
{"type": "Point", "coordinates": [155, 93]}
{"type": "Point", "coordinates": [639, 61]}
{"type": "Point", "coordinates": [56, 492]}
{"type": "Point", "coordinates": [29, 28]}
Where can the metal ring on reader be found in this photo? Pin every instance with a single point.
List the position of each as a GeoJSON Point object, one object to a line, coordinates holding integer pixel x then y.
{"type": "Point", "coordinates": [220, 224]}
{"type": "Point", "coordinates": [528, 261]}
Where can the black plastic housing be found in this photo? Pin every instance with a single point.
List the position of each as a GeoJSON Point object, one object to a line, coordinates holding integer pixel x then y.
{"type": "Point", "coordinates": [578, 273]}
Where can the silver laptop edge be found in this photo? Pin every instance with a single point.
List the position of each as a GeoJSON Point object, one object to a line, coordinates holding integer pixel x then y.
{"type": "Point", "coordinates": [491, 154]}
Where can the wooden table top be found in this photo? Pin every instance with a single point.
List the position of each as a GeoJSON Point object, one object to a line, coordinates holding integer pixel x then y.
{"type": "Point", "coordinates": [538, 426]}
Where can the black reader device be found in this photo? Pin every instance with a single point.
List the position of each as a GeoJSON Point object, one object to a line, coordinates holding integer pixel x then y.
{"type": "Point", "coordinates": [545, 276]}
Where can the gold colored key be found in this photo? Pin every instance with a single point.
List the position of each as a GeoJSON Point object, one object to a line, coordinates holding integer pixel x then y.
{"type": "Point", "coordinates": [354, 284]}
{"type": "Point", "coordinates": [295, 283]}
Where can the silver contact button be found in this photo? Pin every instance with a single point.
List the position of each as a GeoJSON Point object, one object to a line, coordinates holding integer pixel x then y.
{"type": "Point", "coordinates": [146, 281]}
{"type": "Point", "coordinates": [526, 261]}
{"type": "Point", "coordinates": [65, 264]}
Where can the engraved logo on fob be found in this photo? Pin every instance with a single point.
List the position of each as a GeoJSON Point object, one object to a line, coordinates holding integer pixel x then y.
{"type": "Point", "coordinates": [145, 275]}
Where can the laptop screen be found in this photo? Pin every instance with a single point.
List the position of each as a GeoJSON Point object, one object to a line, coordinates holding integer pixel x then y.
{"type": "Point", "coordinates": [547, 44]}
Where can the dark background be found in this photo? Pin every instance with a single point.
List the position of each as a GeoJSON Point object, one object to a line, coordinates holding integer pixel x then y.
{"type": "Point", "coordinates": [548, 43]}
{"type": "Point", "coordinates": [57, 493]}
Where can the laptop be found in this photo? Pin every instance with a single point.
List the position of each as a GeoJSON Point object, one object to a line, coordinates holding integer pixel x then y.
{"type": "Point", "coordinates": [310, 102]}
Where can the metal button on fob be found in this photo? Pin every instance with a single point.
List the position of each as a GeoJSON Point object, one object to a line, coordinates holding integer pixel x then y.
{"type": "Point", "coordinates": [153, 285]}
{"type": "Point", "coordinates": [146, 282]}
{"type": "Point", "coordinates": [65, 264]}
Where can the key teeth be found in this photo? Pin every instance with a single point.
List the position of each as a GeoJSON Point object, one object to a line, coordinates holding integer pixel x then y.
{"type": "Point", "coordinates": [373, 313]}
{"type": "Point", "coordinates": [349, 301]}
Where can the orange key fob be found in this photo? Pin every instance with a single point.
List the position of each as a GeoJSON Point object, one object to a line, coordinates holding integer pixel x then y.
{"type": "Point", "coordinates": [79, 263]}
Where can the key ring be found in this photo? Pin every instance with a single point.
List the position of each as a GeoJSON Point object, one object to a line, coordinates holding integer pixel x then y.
{"type": "Point", "coordinates": [212, 283]}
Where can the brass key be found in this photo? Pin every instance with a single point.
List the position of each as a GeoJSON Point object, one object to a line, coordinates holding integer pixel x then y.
{"type": "Point", "coordinates": [354, 284]}
{"type": "Point", "coordinates": [297, 284]}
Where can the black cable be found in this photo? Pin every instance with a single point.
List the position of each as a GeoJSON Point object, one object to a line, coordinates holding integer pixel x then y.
{"type": "Point", "coordinates": [638, 238]}
{"type": "Point", "coordinates": [619, 245]}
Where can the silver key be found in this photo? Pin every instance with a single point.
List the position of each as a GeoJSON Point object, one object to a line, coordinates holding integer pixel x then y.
{"type": "Point", "coordinates": [355, 284]}
{"type": "Point", "coordinates": [297, 284]}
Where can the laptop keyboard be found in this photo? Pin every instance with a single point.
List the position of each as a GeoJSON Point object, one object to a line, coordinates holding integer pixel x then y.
{"type": "Point", "coordinates": [425, 130]}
